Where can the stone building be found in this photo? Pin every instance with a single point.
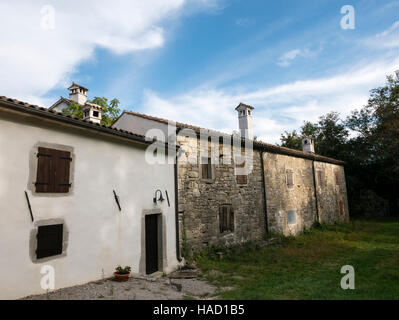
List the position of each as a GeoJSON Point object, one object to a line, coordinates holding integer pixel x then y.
{"type": "Point", "coordinates": [223, 199]}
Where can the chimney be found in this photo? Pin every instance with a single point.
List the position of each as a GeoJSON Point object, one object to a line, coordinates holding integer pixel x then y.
{"type": "Point", "coordinates": [78, 93]}
{"type": "Point", "coordinates": [92, 112]}
{"type": "Point", "coordinates": [308, 145]}
{"type": "Point", "coordinates": [245, 121]}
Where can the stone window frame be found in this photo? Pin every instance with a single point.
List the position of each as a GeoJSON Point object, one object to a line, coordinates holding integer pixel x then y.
{"type": "Point", "coordinates": [235, 169]}
{"type": "Point", "coordinates": [213, 171]}
{"type": "Point", "coordinates": [33, 239]}
{"type": "Point", "coordinates": [286, 178]}
{"type": "Point", "coordinates": [296, 217]}
{"type": "Point", "coordinates": [33, 162]}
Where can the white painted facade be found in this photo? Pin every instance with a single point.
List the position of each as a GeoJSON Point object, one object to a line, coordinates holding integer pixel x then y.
{"type": "Point", "coordinates": [99, 236]}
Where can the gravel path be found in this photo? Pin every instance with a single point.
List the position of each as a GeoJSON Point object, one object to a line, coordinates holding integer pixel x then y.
{"type": "Point", "coordinates": [138, 287]}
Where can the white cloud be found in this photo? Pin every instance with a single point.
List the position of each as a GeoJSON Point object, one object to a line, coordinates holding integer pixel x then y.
{"type": "Point", "coordinates": [35, 60]}
{"type": "Point", "coordinates": [277, 109]}
{"type": "Point", "coordinates": [287, 58]}
{"type": "Point", "coordinates": [387, 39]}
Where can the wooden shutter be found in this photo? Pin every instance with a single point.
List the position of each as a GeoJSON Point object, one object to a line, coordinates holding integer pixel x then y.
{"type": "Point", "coordinates": [320, 178]}
{"type": "Point", "coordinates": [62, 160]}
{"type": "Point", "coordinates": [240, 178]}
{"type": "Point", "coordinates": [231, 219]}
{"type": "Point", "coordinates": [226, 218]}
{"type": "Point", "coordinates": [44, 179]}
{"type": "Point", "coordinates": [53, 171]}
{"type": "Point", "coordinates": [337, 178]}
{"type": "Point", "coordinates": [341, 208]}
{"type": "Point", "coordinates": [290, 178]}
{"type": "Point", "coordinates": [223, 219]}
{"type": "Point", "coordinates": [206, 168]}
{"type": "Point", "coordinates": [49, 241]}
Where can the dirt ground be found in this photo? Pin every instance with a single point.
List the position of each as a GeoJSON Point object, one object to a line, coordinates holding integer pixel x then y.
{"type": "Point", "coordinates": [137, 288]}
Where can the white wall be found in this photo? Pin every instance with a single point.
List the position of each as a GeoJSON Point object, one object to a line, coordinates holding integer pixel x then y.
{"type": "Point", "coordinates": [100, 237]}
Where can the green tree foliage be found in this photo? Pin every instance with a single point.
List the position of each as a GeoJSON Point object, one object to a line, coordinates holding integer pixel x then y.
{"type": "Point", "coordinates": [371, 151]}
{"type": "Point", "coordinates": [110, 111]}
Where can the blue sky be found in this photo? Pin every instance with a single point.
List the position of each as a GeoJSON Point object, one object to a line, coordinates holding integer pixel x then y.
{"type": "Point", "coordinates": [194, 61]}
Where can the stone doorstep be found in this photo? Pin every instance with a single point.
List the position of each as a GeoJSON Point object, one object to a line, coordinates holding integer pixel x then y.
{"type": "Point", "coordinates": [184, 274]}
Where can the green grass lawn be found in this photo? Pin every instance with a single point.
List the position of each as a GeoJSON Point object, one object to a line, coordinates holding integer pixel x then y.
{"type": "Point", "coordinates": [308, 266]}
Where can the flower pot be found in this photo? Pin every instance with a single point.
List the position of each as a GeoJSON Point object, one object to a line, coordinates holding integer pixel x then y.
{"type": "Point", "coordinates": [121, 277]}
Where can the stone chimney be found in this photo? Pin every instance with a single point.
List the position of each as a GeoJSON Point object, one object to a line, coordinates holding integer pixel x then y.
{"type": "Point", "coordinates": [92, 112]}
{"type": "Point", "coordinates": [245, 121]}
{"type": "Point", "coordinates": [78, 93]}
{"type": "Point", "coordinates": [308, 145]}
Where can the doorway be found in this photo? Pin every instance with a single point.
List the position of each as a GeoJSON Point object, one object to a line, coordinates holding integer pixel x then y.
{"type": "Point", "coordinates": [151, 243]}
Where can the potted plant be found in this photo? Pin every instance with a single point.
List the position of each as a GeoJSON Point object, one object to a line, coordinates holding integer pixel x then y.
{"type": "Point", "coordinates": [122, 274]}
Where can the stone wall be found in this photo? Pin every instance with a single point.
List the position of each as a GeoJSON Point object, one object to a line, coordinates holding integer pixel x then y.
{"type": "Point", "coordinates": [330, 192]}
{"type": "Point", "coordinates": [200, 200]}
{"type": "Point", "coordinates": [290, 207]}
{"type": "Point", "coordinates": [281, 198]}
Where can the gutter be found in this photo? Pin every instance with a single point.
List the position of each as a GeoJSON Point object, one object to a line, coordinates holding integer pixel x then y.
{"type": "Point", "coordinates": [178, 257]}
{"type": "Point", "coordinates": [264, 193]}
{"type": "Point", "coordinates": [315, 192]}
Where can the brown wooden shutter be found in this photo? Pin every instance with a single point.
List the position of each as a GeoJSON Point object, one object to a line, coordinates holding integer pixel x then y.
{"type": "Point", "coordinates": [44, 181]}
{"type": "Point", "coordinates": [320, 178]}
{"type": "Point", "coordinates": [241, 179]}
{"type": "Point", "coordinates": [336, 178]}
{"type": "Point", "coordinates": [231, 219]}
{"type": "Point", "coordinates": [290, 178]}
{"type": "Point", "coordinates": [341, 208]}
{"type": "Point", "coordinates": [206, 168]}
{"type": "Point", "coordinates": [62, 162]}
{"type": "Point", "coordinates": [53, 171]}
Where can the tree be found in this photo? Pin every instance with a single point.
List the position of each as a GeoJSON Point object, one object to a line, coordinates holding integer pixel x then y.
{"type": "Point", "coordinates": [371, 152]}
{"type": "Point", "coordinates": [110, 111]}
{"type": "Point", "coordinates": [375, 148]}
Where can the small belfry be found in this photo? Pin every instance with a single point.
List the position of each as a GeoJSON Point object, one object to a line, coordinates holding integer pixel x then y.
{"type": "Point", "coordinates": [308, 144]}
{"type": "Point", "coordinates": [245, 120]}
{"type": "Point", "coordinates": [92, 112]}
{"type": "Point", "coordinates": [78, 93]}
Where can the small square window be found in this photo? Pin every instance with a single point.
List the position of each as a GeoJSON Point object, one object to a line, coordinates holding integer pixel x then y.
{"type": "Point", "coordinates": [95, 114]}
{"type": "Point", "coordinates": [226, 218]}
{"type": "Point", "coordinates": [289, 178]}
{"type": "Point", "coordinates": [291, 217]}
{"type": "Point", "coordinates": [206, 168]}
{"type": "Point", "coordinates": [49, 241]}
{"type": "Point", "coordinates": [241, 177]}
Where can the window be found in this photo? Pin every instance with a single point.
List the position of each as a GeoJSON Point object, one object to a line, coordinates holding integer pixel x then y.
{"type": "Point", "coordinates": [87, 112]}
{"type": "Point", "coordinates": [240, 169]}
{"type": "Point", "coordinates": [337, 181]}
{"type": "Point", "coordinates": [320, 180]}
{"type": "Point", "coordinates": [226, 218]}
{"type": "Point", "coordinates": [289, 178]}
{"type": "Point", "coordinates": [95, 114]}
{"type": "Point", "coordinates": [206, 167]}
{"type": "Point", "coordinates": [49, 241]}
{"type": "Point", "coordinates": [341, 208]}
{"type": "Point", "coordinates": [53, 168]}
{"type": "Point", "coordinates": [291, 217]}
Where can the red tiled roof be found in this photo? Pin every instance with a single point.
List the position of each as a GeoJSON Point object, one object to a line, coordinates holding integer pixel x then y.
{"type": "Point", "coordinates": [257, 144]}
{"type": "Point", "coordinates": [16, 105]}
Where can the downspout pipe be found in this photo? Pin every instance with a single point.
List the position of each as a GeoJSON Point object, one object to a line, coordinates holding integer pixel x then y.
{"type": "Point", "coordinates": [315, 192]}
{"type": "Point", "coordinates": [264, 192]}
{"type": "Point", "coordinates": [178, 257]}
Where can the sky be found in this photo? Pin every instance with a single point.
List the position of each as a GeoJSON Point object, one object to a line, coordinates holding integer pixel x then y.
{"type": "Point", "coordinates": [194, 61]}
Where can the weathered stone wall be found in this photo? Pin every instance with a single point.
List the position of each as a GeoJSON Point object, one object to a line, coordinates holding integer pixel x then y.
{"type": "Point", "coordinates": [200, 200]}
{"type": "Point", "coordinates": [330, 193]}
{"type": "Point", "coordinates": [281, 198]}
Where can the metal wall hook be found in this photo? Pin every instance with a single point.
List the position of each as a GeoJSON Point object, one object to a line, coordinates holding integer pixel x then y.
{"type": "Point", "coordinates": [117, 200]}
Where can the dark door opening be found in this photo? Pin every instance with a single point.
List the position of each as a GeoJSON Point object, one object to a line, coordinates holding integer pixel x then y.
{"type": "Point", "coordinates": [151, 243]}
